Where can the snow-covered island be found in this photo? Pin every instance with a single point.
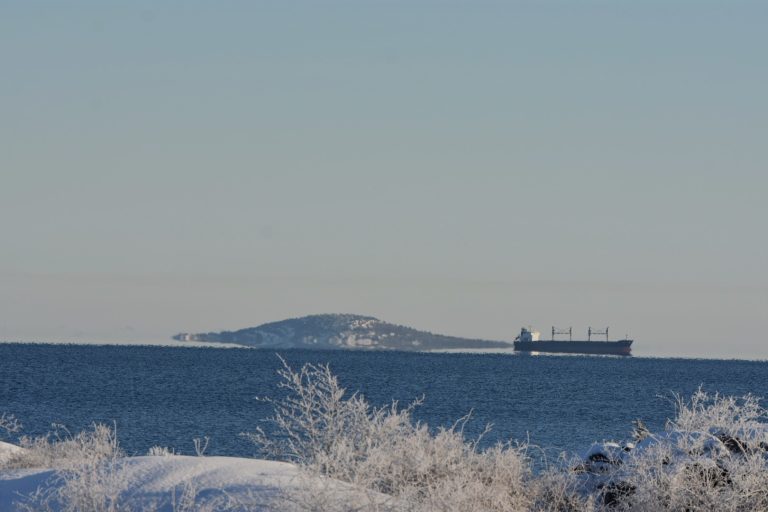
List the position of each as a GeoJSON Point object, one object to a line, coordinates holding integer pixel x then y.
{"type": "Point", "coordinates": [340, 331]}
{"type": "Point", "coordinates": [332, 451]}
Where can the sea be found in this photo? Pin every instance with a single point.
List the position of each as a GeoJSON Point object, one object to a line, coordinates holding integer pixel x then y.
{"type": "Point", "coordinates": [168, 396]}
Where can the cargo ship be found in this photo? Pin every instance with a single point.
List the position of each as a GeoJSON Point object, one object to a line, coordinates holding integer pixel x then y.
{"type": "Point", "coordinates": [529, 341]}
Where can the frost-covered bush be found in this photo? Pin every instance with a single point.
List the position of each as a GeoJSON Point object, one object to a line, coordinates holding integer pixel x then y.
{"type": "Point", "coordinates": [160, 451]}
{"type": "Point", "coordinates": [86, 470]}
{"type": "Point", "coordinates": [384, 450]}
{"type": "Point", "coordinates": [9, 423]}
{"type": "Point", "coordinates": [60, 450]}
{"type": "Point", "coordinates": [712, 456]}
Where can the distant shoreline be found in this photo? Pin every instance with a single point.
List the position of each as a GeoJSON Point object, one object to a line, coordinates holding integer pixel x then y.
{"type": "Point", "coordinates": [126, 343]}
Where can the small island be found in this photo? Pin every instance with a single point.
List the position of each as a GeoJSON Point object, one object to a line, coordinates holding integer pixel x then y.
{"type": "Point", "coordinates": [341, 331]}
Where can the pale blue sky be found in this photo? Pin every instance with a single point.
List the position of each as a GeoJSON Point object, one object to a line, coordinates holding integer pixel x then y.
{"type": "Point", "coordinates": [464, 167]}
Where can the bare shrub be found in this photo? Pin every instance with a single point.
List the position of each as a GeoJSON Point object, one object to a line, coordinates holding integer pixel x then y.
{"type": "Point", "coordinates": [86, 465]}
{"type": "Point", "coordinates": [160, 451]}
{"type": "Point", "coordinates": [201, 445]}
{"type": "Point", "coordinates": [61, 450]}
{"type": "Point", "coordinates": [9, 423]}
{"type": "Point", "coordinates": [383, 450]}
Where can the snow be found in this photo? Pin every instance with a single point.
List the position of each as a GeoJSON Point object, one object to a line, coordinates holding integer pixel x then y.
{"type": "Point", "coordinates": [150, 481]}
{"type": "Point", "coordinates": [353, 341]}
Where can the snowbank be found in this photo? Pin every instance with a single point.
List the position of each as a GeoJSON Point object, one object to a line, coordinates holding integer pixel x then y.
{"type": "Point", "coordinates": [168, 483]}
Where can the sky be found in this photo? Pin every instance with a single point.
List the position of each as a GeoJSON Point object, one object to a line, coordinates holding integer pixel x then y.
{"type": "Point", "coordinates": [466, 168]}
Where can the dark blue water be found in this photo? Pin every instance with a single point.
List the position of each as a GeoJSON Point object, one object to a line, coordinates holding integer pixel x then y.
{"type": "Point", "coordinates": [168, 396]}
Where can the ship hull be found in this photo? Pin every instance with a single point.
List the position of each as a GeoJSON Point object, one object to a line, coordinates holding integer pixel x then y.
{"type": "Point", "coordinates": [617, 348]}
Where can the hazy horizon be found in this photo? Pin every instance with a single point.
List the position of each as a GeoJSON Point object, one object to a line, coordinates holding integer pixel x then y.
{"type": "Point", "coordinates": [465, 168]}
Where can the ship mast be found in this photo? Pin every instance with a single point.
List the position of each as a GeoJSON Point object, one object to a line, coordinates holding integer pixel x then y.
{"type": "Point", "coordinates": [568, 331]}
